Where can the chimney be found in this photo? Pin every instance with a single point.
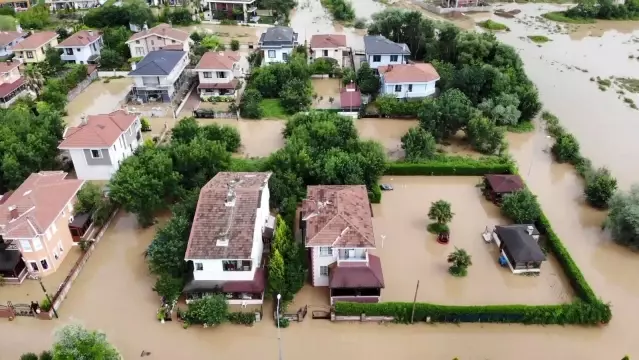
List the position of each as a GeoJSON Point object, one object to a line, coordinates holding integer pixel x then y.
{"type": "Point", "coordinates": [145, 26]}
{"type": "Point", "coordinates": [18, 28]}
{"type": "Point", "coordinates": [83, 120]}
{"type": "Point", "coordinates": [530, 229]}
{"type": "Point", "coordinates": [13, 211]}
{"type": "Point", "coordinates": [90, 32]}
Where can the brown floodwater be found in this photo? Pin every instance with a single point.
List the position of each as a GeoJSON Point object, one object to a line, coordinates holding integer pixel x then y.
{"type": "Point", "coordinates": [98, 98]}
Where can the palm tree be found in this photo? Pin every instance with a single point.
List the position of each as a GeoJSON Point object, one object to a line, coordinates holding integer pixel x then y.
{"type": "Point", "coordinates": [440, 212]}
{"type": "Point", "coordinates": [34, 78]}
{"type": "Point", "coordinates": [459, 261]}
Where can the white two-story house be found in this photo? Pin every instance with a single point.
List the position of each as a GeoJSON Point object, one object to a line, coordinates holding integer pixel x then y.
{"type": "Point", "coordinates": [227, 238]}
{"type": "Point", "coordinates": [277, 44]}
{"type": "Point", "coordinates": [160, 37]}
{"type": "Point", "coordinates": [337, 228]}
{"type": "Point", "coordinates": [415, 80]}
{"type": "Point", "coordinates": [9, 38]}
{"type": "Point", "coordinates": [380, 51]}
{"type": "Point", "coordinates": [218, 74]}
{"type": "Point", "coordinates": [82, 47]}
{"type": "Point", "coordinates": [329, 46]}
{"type": "Point", "coordinates": [159, 75]}
{"type": "Point", "coordinates": [101, 142]}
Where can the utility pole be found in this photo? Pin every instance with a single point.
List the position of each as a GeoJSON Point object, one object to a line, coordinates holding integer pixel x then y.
{"type": "Point", "coordinates": [48, 298]}
{"type": "Point", "coordinates": [412, 316]}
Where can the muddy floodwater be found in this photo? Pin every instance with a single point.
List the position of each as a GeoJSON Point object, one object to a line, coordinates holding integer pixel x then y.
{"type": "Point", "coordinates": [98, 98]}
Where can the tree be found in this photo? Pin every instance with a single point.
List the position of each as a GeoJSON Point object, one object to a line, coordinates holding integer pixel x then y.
{"type": "Point", "coordinates": [7, 23]}
{"type": "Point", "coordinates": [623, 217]}
{"type": "Point", "coordinates": [502, 110]}
{"type": "Point", "coordinates": [168, 287]}
{"type": "Point", "coordinates": [366, 80]}
{"type": "Point", "coordinates": [29, 356]}
{"type": "Point", "coordinates": [110, 59]}
{"type": "Point", "coordinates": [34, 78]}
{"type": "Point", "coordinates": [210, 310]}
{"type": "Point", "coordinates": [566, 149]}
{"type": "Point", "coordinates": [115, 39]}
{"type": "Point", "coordinates": [198, 161]}
{"type": "Point", "coordinates": [296, 96]}
{"type": "Point", "coordinates": [53, 63]}
{"type": "Point", "coordinates": [139, 12]}
{"type": "Point", "coordinates": [349, 77]}
{"type": "Point", "coordinates": [447, 114]}
{"type": "Point", "coordinates": [459, 261]}
{"type": "Point", "coordinates": [418, 145]}
{"type": "Point", "coordinates": [600, 187]}
{"type": "Point", "coordinates": [36, 17]}
{"type": "Point", "coordinates": [107, 16]}
{"type": "Point", "coordinates": [485, 136]}
{"type": "Point", "coordinates": [521, 207]}
{"type": "Point", "coordinates": [235, 45]}
{"type": "Point", "coordinates": [250, 107]}
{"type": "Point", "coordinates": [89, 198]}
{"type": "Point", "coordinates": [46, 355]}
{"type": "Point", "coordinates": [276, 275]}
{"type": "Point", "coordinates": [212, 42]}
{"type": "Point", "coordinates": [440, 212]}
{"type": "Point", "coordinates": [73, 342]}
{"type": "Point", "coordinates": [144, 182]}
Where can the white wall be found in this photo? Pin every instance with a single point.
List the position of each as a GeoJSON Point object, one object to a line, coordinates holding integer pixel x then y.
{"type": "Point", "coordinates": [166, 82]}
{"type": "Point", "coordinates": [213, 270]}
{"type": "Point", "coordinates": [385, 60]}
{"type": "Point", "coordinates": [214, 79]}
{"type": "Point", "coordinates": [333, 53]}
{"type": "Point", "coordinates": [279, 57]}
{"type": "Point", "coordinates": [82, 56]}
{"type": "Point", "coordinates": [141, 47]}
{"type": "Point", "coordinates": [419, 89]}
{"type": "Point", "coordinates": [6, 50]}
{"type": "Point", "coordinates": [320, 260]}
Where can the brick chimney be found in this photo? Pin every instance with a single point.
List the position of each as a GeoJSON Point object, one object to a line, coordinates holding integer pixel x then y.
{"type": "Point", "coordinates": [13, 211]}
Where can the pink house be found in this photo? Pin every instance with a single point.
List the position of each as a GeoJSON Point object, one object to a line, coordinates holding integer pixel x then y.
{"type": "Point", "coordinates": [11, 83]}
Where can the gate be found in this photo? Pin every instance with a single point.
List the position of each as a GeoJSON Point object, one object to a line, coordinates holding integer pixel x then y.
{"type": "Point", "coordinates": [21, 309]}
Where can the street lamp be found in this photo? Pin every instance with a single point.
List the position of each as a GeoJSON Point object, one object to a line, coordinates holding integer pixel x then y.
{"type": "Point", "coordinates": [279, 332]}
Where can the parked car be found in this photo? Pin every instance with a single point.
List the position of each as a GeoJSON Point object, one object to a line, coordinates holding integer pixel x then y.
{"type": "Point", "coordinates": [386, 187]}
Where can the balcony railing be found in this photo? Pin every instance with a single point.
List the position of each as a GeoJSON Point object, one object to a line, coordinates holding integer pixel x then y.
{"type": "Point", "coordinates": [351, 255]}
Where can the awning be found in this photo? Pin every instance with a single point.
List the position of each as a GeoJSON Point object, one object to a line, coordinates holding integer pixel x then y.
{"type": "Point", "coordinates": [9, 259]}
{"type": "Point", "coordinates": [229, 85]}
{"type": "Point", "coordinates": [80, 219]}
{"type": "Point", "coordinates": [357, 277]}
{"type": "Point", "coordinates": [255, 286]}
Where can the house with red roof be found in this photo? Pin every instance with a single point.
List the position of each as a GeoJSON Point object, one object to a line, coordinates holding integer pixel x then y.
{"type": "Point", "coordinates": [219, 74]}
{"type": "Point", "coordinates": [101, 142]}
{"type": "Point", "coordinates": [404, 81]}
{"type": "Point", "coordinates": [12, 84]}
{"type": "Point", "coordinates": [337, 229]}
{"type": "Point", "coordinates": [34, 225]}
{"type": "Point", "coordinates": [9, 38]}
{"type": "Point", "coordinates": [162, 36]}
{"type": "Point", "coordinates": [350, 98]}
{"type": "Point", "coordinates": [34, 47]}
{"type": "Point", "coordinates": [83, 47]}
{"type": "Point", "coordinates": [330, 46]}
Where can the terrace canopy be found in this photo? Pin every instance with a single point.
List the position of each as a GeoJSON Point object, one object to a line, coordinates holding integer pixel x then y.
{"type": "Point", "coordinates": [498, 185]}
{"type": "Point", "coordinates": [359, 283]}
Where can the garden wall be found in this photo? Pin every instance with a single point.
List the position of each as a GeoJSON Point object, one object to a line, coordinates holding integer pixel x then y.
{"type": "Point", "coordinates": [83, 84]}
{"type": "Point", "coordinates": [112, 73]}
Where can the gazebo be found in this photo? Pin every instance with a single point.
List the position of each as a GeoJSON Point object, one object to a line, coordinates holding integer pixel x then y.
{"type": "Point", "coordinates": [496, 186]}
{"type": "Point", "coordinates": [518, 244]}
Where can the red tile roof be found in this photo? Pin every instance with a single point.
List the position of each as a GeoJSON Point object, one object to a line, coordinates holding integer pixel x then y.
{"type": "Point", "coordinates": [215, 221]}
{"type": "Point", "coordinates": [81, 38]}
{"type": "Point", "coordinates": [8, 65]}
{"type": "Point", "coordinates": [416, 72]}
{"type": "Point", "coordinates": [7, 37]}
{"type": "Point", "coordinates": [350, 97]}
{"type": "Point", "coordinates": [354, 277]}
{"type": "Point", "coordinates": [7, 88]}
{"type": "Point", "coordinates": [503, 184]}
{"type": "Point", "coordinates": [100, 131]}
{"type": "Point", "coordinates": [222, 60]}
{"type": "Point", "coordinates": [338, 216]}
{"type": "Point", "coordinates": [39, 201]}
{"type": "Point", "coordinates": [229, 85]}
{"type": "Point", "coordinates": [162, 30]}
{"type": "Point", "coordinates": [35, 40]}
{"type": "Point", "coordinates": [327, 41]}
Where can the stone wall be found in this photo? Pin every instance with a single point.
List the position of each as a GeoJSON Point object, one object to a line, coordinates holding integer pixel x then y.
{"type": "Point", "coordinates": [361, 318]}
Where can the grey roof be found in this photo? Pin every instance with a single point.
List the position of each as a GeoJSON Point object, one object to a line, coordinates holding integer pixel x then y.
{"type": "Point", "coordinates": [521, 246]}
{"type": "Point", "coordinates": [379, 45]}
{"type": "Point", "coordinates": [277, 36]}
{"type": "Point", "coordinates": [158, 63]}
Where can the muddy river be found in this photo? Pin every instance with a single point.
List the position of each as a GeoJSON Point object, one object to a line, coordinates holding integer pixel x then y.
{"type": "Point", "coordinates": [113, 293]}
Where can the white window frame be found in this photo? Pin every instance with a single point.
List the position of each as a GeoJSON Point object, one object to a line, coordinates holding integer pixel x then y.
{"type": "Point", "coordinates": [325, 251]}
{"type": "Point", "coordinates": [378, 57]}
{"type": "Point", "coordinates": [207, 74]}
{"type": "Point", "coordinates": [48, 234]}
{"type": "Point", "coordinates": [323, 270]}
{"type": "Point", "coordinates": [398, 87]}
{"type": "Point", "coordinates": [28, 248]}
{"type": "Point", "coordinates": [199, 266]}
{"type": "Point", "coordinates": [271, 52]}
{"type": "Point", "coordinates": [37, 244]}
{"type": "Point", "coordinates": [37, 267]}
{"type": "Point", "coordinates": [410, 87]}
{"type": "Point", "coordinates": [47, 261]}
{"type": "Point", "coordinates": [99, 152]}
{"type": "Point", "coordinates": [396, 58]}
{"type": "Point", "coordinates": [56, 256]}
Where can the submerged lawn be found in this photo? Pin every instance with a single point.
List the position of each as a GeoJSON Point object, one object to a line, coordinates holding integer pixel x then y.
{"type": "Point", "coordinates": [560, 16]}
{"type": "Point", "coordinates": [273, 109]}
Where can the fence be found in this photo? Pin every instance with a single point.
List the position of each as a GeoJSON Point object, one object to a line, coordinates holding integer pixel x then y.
{"type": "Point", "coordinates": [82, 85]}
{"type": "Point", "coordinates": [112, 73]}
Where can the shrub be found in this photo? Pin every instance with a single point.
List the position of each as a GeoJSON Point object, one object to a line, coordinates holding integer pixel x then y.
{"type": "Point", "coordinates": [250, 104]}
{"type": "Point", "coordinates": [452, 165]}
{"type": "Point", "coordinates": [566, 149]}
{"type": "Point", "coordinates": [210, 310]}
{"type": "Point", "coordinates": [485, 136]}
{"type": "Point", "coordinates": [168, 287]}
{"type": "Point", "coordinates": [45, 304]}
{"type": "Point", "coordinates": [284, 323]}
{"type": "Point", "coordinates": [437, 228]}
{"type": "Point", "coordinates": [493, 25]}
{"type": "Point", "coordinates": [242, 318]}
{"type": "Point", "coordinates": [375, 194]}
{"type": "Point", "coordinates": [145, 125]}
{"type": "Point", "coordinates": [600, 187]}
{"type": "Point", "coordinates": [622, 218]}
{"type": "Point", "coordinates": [46, 355]}
{"type": "Point", "coordinates": [235, 45]}
{"type": "Point", "coordinates": [29, 356]}
{"type": "Point", "coordinates": [459, 261]}
{"type": "Point", "coordinates": [342, 10]}
{"type": "Point", "coordinates": [521, 207]}
{"type": "Point", "coordinates": [391, 106]}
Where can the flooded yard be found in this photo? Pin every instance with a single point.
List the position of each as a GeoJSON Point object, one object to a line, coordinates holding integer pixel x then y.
{"type": "Point", "coordinates": [409, 253]}
{"type": "Point", "coordinates": [98, 98]}
{"type": "Point", "coordinates": [244, 34]}
{"type": "Point", "coordinates": [327, 91]}
{"type": "Point", "coordinates": [259, 137]}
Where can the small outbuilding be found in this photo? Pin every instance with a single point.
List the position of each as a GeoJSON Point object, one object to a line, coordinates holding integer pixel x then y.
{"type": "Point", "coordinates": [350, 98]}
{"type": "Point", "coordinates": [518, 244]}
{"type": "Point", "coordinates": [498, 185]}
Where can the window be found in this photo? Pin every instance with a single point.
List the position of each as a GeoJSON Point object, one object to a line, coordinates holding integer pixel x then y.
{"type": "Point", "coordinates": [81, 62]}
{"type": "Point", "coordinates": [326, 251]}
{"type": "Point", "coordinates": [60, 247]}
{"type": "Point", "coordinates": [69, 51]}
{"type": "Point", "coordinates": [221, 75]}
{"type": "Point", "coordinates": [78, 49]}
{"type": "Point", "coordinates": [323, 270]}
{"type": "Point", "coordinates": [48, 234]}
{"type": "Point", "coordinates": [398, 88]}
{"type": "Point", "coordinates": [285, 56]}
{"type": "Point", "coordinates": [139, 51]}
{"type": "Point", "coordinates": [30, 54]}
{"type": "Point", "coordinates": [44, 263]}
{"type": "Point", "coordinates": [137, 41]}
{"type": "Point", "coordinates": [114, 147]}
{"type": "Point", "coordinates": [208, 74]}
{"type": "Point", "coordinates": [55, 255]}
{"type": "Point", "coordinates": [54, 228]}
{"type": "Point", "coordinates": [410, 87]}
{"type": "Point", "coordinates": [93, 45]}
{"type": "Point", "coordinates": [394, 58]}
{"type": "Point", "coordinates": [26, 246]}
{"type": "Point", "coordinates": [199, 266]}
{"type": "Point", "coordinates": [377, 58]}
{"type": "Point", "coordinates": [37, 244]}
{"type": "Point", "coordinates": [172, 41]}
{"type": "Point", "coordinates": [34, 266]}
{"type": "Point", "coordinates": [271, 54]}
{"type": "Point", "coordinates": [324, 52]}
{"type": "Point", "coordinates": [152, 42]}
{"type": "Point", "coordinates": [236, 265]}
{"type": "Point", "coordinates": [96, 154]}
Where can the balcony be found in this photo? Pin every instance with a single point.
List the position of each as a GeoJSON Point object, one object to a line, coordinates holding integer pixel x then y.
{"type": "Point", "coordinates": [352, 255]}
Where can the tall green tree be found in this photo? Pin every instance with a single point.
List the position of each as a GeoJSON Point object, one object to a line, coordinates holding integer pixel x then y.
{"type": "Point", "coordinates": [623, 217]}
{"type": "Point", "coordinates": [418, 145]}
{"type": "Point", "coordinates": [276, 275]}
{"type": "Point", "coordinates": [73, 342]}
{"type": "Point", "coordinates": [367, 81]}
{"type": "Point", "coordinates": [447, 114]}
{"type": "Point", "coordinates": [521, 207]}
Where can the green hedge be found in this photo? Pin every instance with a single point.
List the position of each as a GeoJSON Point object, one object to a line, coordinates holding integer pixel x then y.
{"type": "Point", "coordinates": [375, 194]}
{"type": "Point", "coordinates": [588, 309]}
{"type": "Point", "coordinates": [242, 318]}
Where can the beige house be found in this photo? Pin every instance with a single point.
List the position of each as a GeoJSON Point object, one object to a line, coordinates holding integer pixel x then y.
{"type": "Point", "coordinates": [329, 46]}
{"type": "Point", "coordinates": [159, 37]}
{"type": "Point", "coordinates": [34, 221]}
{"type": "Point", "coordinates": [218, 73]}
{"type": "Point", "coordinates": [33, 48]}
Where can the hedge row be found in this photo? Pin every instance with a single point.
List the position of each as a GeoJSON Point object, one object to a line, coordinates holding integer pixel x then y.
{"type": "Point", "coordinates": [588, 309]}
